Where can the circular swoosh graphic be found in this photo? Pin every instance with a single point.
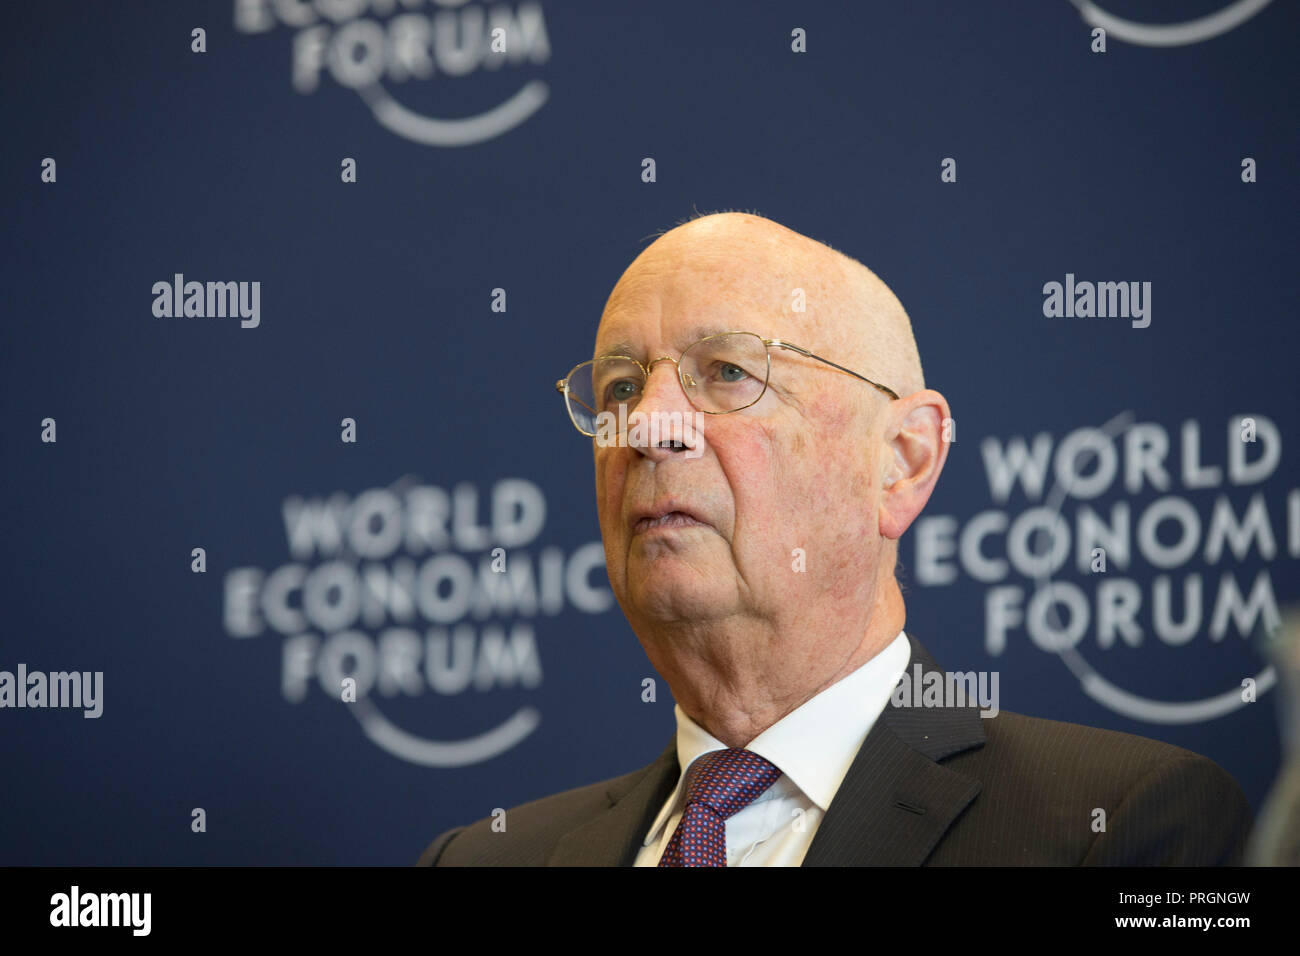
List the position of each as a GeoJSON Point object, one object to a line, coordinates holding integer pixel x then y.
{"type": "Point", "coordinates": [435, 753]}
{"type": "Point", "coordinates": [393, 116]}
{"type": "Point", "coordinates": [1171, 34]}
{"type": "Point", "coordinates": [1111, 695]}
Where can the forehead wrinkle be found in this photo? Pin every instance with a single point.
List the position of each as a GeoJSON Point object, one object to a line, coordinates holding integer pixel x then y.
{"type": "Point", "coordinates": [682, 303]}
{"type": "Point", "coordinates": [747, 299]}
{"type": "Point", "coordinates": [683, 337]}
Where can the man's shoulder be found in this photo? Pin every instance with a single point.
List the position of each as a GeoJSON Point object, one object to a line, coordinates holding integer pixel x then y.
{"type": "Point", "coordinates": [1080, 751]}
{"type": "Point", "coordinates": [1040, 755]}
{"type": "Point", "coordinates": [1089, 795]}
{"type": "Point", "coordinates": [525, 835]}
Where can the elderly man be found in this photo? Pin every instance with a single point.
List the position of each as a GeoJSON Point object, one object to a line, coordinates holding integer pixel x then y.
{"type": "Point", "coordinates": [751, 540]}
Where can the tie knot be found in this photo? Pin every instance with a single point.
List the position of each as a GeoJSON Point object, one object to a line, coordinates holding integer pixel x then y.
{"type": "Point", "coordinates": [728, 780]}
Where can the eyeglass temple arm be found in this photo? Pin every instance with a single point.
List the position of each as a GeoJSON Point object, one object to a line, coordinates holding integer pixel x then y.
{"type": "Point", "coordinates": [562, 386]}
{"type": "Point", "coordinates": [802, 351]}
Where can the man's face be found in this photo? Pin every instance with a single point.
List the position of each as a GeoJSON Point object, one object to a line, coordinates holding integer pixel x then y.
{"type": "Point", "coordinates": [794, 471]}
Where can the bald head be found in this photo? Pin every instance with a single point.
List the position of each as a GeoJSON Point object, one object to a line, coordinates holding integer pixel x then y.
{"type": "Point", "coordinates": [850, 315]}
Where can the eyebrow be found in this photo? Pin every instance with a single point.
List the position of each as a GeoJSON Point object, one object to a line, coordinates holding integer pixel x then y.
{"type": "Point", "coordinates": [690, 336]}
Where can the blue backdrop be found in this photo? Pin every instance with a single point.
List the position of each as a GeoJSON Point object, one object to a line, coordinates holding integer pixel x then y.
{"type": "Point", "coordinates": [970, 154]}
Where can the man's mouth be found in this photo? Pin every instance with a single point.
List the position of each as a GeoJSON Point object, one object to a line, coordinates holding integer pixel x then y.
{"type": "Point", "coordinates": [673, 519]}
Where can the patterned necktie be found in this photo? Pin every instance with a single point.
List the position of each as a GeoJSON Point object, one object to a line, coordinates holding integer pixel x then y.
{"type": "Point", "coordinates": [722, 784]}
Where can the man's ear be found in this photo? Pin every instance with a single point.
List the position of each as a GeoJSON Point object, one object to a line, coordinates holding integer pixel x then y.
{"type": "Point", "coordinates": [916, 446]}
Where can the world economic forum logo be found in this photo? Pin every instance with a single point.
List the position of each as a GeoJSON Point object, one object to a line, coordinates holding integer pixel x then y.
{"type": "Point", "coordinates": [417, 606]}
{"type": "Point", "coordinates": [373, 47]}
{"type": "Point", "coordinates": [1128, 548]}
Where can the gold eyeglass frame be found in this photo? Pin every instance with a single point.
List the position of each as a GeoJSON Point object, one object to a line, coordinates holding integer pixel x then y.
{"type": "Point", "coordinates": [562, 386]}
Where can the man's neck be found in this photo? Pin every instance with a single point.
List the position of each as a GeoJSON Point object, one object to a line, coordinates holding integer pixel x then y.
{"type": "Point", "coordinates": [736, 685]}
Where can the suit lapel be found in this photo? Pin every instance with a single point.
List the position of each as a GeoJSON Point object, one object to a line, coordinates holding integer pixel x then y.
{"type": "Point", "coordinates": [892, 808]}
{"type": "Point", "coordinates": [896, 802]}
{"type": "Point", "coordinates": [614, 837]}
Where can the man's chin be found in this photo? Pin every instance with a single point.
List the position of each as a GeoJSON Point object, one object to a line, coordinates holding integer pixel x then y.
{"type": "Point", "coordinates": [664, 593]}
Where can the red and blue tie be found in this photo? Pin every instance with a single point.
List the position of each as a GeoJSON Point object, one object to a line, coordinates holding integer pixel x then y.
{"type": "Point", "coordinates": [722, 784]}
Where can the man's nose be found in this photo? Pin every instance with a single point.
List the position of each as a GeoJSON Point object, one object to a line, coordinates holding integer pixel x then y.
{"type": "Point", "coordinates": [664, 421]}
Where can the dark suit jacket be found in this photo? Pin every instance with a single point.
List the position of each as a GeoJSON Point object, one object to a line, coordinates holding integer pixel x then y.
{"type": "Point", "coordinates": [929, 786]}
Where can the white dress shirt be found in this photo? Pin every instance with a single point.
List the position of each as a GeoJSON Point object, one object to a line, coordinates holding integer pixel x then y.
{"type": "Point", "coordinates": [813, 746]}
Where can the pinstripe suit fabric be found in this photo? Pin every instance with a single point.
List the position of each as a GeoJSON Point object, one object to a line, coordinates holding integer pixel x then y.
{"type": "Point", "coordinates": [933, 787]}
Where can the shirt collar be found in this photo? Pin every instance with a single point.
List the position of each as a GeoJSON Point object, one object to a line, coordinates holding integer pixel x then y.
{"type": "Point", "coordinates": [814, 745]}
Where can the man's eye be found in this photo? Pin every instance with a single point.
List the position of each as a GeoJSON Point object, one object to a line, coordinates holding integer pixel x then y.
{"type": "Point", "coordinates": [731, 373]}
{"type": "Point", "coordinates": [622, 391]}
